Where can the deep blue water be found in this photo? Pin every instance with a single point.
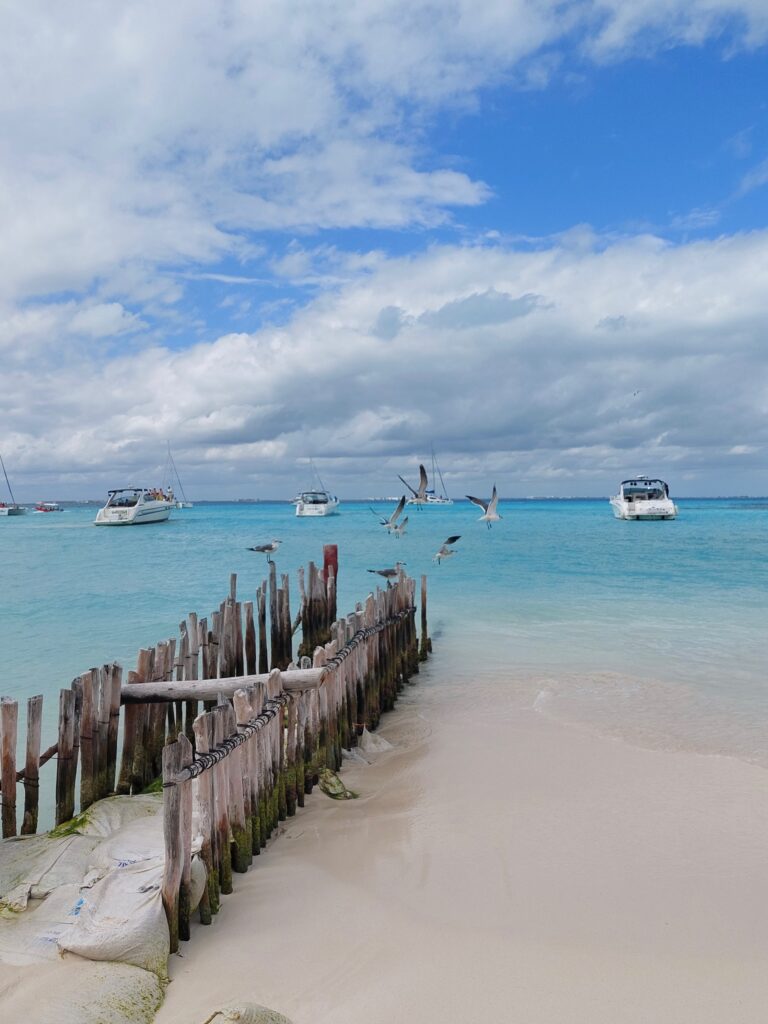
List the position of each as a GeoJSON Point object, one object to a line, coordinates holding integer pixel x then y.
{"type": "Point", "coordinates": [652, 630]}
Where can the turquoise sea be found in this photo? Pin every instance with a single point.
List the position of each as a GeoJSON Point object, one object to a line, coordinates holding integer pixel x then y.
{"type": "Point", "coordinates": [655, 632]}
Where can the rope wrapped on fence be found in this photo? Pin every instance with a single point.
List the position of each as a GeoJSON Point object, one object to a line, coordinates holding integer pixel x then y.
{"type": "Point", "coordinates": [203, 762]}
{"type": "Point", "coordinates": [363, 634]}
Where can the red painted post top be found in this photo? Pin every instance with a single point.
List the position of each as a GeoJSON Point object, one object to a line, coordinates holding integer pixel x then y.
{"type": "Point", "coordinates": [330, 558]}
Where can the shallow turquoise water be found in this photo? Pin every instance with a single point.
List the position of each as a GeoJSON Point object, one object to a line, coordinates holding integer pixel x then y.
{"type": "Point", "coordinates": [653, 631]}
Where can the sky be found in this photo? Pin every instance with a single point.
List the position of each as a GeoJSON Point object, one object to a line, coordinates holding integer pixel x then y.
{"type": "Point", "coordinates": [531, 234]}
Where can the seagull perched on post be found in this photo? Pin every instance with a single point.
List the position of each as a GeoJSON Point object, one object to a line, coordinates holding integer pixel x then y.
{"type": "Point", "coordinates": [390, 522]}
{"type": "Point", "coordinates": [419, 496]}
{"type": "Point", "coordinates": [490, 515]}
{"type": "Point", "coordinates": [389, 574]}
{"type": "Point", "coordinates": [267, 549]}
{"type": "Point", "coordinates": [446, 550]}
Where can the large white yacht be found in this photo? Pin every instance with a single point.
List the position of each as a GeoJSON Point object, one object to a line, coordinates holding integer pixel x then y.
{"type": "Point", "coordinates": [130, 506]}
{"type": "Point", "coordinates": [316, 503]}
{"type": "Point", "coordinates": [643, 498]}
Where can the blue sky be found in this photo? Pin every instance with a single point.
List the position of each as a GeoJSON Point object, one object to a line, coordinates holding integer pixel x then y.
{"type": "Point", "coordinates": [418, 211]}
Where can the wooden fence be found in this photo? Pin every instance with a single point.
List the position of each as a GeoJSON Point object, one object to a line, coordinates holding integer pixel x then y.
{"type": "Point", "coordinates": [255, 759]}
{"type": "Point", "coordinates": [212, 657]}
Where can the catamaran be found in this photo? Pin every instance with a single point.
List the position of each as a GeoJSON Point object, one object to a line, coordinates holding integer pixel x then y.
{"type": "Point", "coordinates": [13, 509]}
{"type": "Point", "coordinates": [643, 498]}
{"type": "Point", "coordinates": [426, 495]}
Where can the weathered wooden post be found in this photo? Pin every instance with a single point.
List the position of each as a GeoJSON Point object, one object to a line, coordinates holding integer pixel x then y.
{"type": "Point", "coordinates": [32, 765]}
{"type": "Point", "coordinates": [186, 756]}
{"type": "Point", "coordinates": [331, 576]}
{"type": "Point", "coordinates": [203, 798]}
{"type": "Point", "coordinates": [88, 741]}
{"type": "Point", "coordinates": [65, 771]}
{"type": "Point", "coordinates": [9, 715]}
{"type": "Point", "coordinates": [174, 864]}
{"type": "Point", "coordinates": [426, 643]}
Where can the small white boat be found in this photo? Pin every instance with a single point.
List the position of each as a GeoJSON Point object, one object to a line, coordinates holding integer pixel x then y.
{"type": "Point", "coordinates": [131, 506]}
{"type": "Point", "coordinates": [13, 509]}
{"type": "Point", "coordinates": [48, 506]}
{"type": "Point", "coordinates": [643, 498]}
{"type": "Point", "coordinates": [316, 503]}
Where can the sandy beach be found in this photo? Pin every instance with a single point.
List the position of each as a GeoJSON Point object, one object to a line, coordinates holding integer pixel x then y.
{"type": "Point", "coordinates": [501, 866]}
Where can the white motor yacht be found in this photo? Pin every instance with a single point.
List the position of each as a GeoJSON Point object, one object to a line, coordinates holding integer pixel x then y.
{"type": "Point", "coordinates": [130, 506]}
{"type": "Point", "coordinates": [643, 498]}
{"type": "Point", "coordinates": [316, 503]}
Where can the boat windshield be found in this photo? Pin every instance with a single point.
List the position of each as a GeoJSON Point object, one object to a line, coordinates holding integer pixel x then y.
{"type": "Point", "coordinates": [648, 490]}
{"type": "Point", "coordinates": [314, 498]}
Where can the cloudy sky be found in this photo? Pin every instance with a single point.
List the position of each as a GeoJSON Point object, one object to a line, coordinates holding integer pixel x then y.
{"type": "Point", "coordinates": [533, 233]}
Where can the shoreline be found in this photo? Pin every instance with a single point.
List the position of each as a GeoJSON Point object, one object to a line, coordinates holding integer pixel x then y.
{"type": "Point", "coordinates": [543, 873]}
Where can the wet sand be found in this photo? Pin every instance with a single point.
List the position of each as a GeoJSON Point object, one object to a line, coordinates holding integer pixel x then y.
{"type": "Point", "coordinates": [500, 866]}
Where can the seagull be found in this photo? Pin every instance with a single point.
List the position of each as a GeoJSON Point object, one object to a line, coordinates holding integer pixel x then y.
{"type": "Point", "coordinates": [399, 528]}
{"type": "Point", "coordinates": [390, 522]}
{"type": "Point", "coordinates": [490, 515]}
{"type": "Point", "coordinates": [446, 550]}
{"type": "Point", "coordinates": [419, 496]}
{"type": "Point", "coordinates": [267, 549]}
{"type": "Point", "coordinates": [389, 574]}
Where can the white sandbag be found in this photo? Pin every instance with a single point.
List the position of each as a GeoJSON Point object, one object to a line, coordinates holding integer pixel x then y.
{"type": "Point", "coordinates": [371, 743]}
{"type": "Point", "coordinates": [354, 756]}
{"type": "Point", "coordinates": [32, 866]}
{"type": "Point", "coordinates": [108, 816]}
{"type": "Point", "coordinates": [139, 842]}
{"type": "Point", "coordinates": [122, 920]}
{"type": "Point", "coordinates": [75, 991]}
{"type": "Point", "coordinates": [33, 936]}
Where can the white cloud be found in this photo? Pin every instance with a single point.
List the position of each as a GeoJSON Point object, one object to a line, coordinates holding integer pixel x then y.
{"type": "Point", "coordinates": [544, 394]}
{"type": "Point", "coordinates": [163, 135]}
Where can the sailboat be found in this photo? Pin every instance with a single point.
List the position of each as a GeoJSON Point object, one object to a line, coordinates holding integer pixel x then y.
{"type": "Point", "coordinates": [13, 509]}
{"type": "Point", "coordinates": [428, 495]}
{"type": "Point", "coordinates": [173, 476]}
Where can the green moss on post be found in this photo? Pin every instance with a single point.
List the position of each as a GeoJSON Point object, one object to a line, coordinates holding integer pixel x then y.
{"type": "Point", "coordinates": [240, 850]}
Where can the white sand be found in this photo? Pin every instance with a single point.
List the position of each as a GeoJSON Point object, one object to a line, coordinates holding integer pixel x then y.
{"type": "Point", "coordinates": [501, 867]}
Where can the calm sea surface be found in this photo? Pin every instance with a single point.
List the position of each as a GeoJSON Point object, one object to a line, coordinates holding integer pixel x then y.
{"type": "Point", "coordinates": [655, 632]}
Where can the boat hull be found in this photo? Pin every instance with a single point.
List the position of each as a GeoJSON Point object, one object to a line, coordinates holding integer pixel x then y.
{"type": "Point", "coordinates": [138, 515]}
{"type": "Point", "coordinates": [643, 510]}
{"type": "Point", "coordinates": [13, 510]}
{"type": "Point", "coordinates": [305, 509]}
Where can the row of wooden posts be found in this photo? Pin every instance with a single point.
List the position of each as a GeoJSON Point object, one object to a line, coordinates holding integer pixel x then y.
{"type": "Point", "coordinates": [205, 663]}
{"type": "Point", "coordinates": [254, 760]}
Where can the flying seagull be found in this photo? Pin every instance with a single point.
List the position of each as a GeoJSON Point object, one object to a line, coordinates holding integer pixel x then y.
{"type": "Point", "coordinates": [446, 550]}
{"type": "Point", "coordinates": [420, 495]}
{"type": "Point", "coordinates": [390, 522]}
{"type": "Point", "coordinates": [490, 515]}
{"type": "Point", "coordinates": [267, 549]}
{"type": "Point", "coordinates": [389, 574]}
{"type": "Point", "coordinates": [399, 528]}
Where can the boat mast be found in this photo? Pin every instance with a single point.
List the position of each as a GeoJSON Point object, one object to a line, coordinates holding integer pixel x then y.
{"type": "Point", "coordinates": [175, 472]}
{"type": "Point", "coordinates": [8, 482]}
{"type": "Point", "coordinates": [443, 492]}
